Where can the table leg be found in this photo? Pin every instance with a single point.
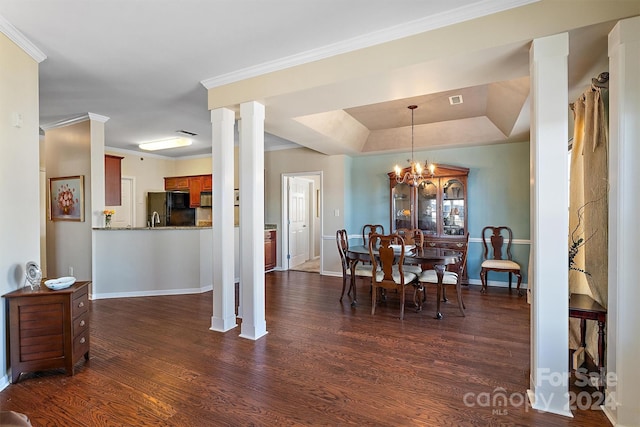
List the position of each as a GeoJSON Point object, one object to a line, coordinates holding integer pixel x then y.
{"type": "Point", "coordinates": [583, 332]}
{"type": "Point", "coordinates": [352, 266]}
{"type": "Point", "coordinates": [601, 347]}
{"type": "Point", "coordinates": [440, 273]}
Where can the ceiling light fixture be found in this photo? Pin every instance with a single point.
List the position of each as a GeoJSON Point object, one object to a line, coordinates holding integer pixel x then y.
{"type": "Point", "coordinates": [163, 144]}
{"type": "Point", "coordinates": [416, 172]}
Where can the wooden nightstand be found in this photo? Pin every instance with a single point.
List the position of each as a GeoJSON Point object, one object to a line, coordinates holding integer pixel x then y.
{"type": "Point", "coordinates": [48, 329]}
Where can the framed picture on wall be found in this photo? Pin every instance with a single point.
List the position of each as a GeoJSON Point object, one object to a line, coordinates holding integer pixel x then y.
{"type": "Point", "coordinates": [236, 197]}
{"type": "Point", "coordinates": [66, 198]}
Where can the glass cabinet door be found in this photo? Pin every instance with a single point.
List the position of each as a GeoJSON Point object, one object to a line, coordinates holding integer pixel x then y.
{"type": "Point", "coordinates": [427, 210]}
{"type": "Point", "coordinates": [401, 204]}
{"type": "Point", "coordinates": [453, 209]}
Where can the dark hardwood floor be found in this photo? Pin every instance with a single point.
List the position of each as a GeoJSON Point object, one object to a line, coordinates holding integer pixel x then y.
{"type": "Point", "coordinates": [154, 362]}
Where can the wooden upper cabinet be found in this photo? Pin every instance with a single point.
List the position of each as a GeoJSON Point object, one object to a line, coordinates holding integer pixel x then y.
{"type": "Point", "coordinates": [438, 206]}
{"type": "Point", "coordinates": [176, 183]}
{"type": "Point", "coordinates": [195, 188]}
{"type": "Point", "coordinates": [207, 183]}
{"type": "Point", "coordinates": [112, 180]}
{"type": "Point", "coordinates": [194, 184]}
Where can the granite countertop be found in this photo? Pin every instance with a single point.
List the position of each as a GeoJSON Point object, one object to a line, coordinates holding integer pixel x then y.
{"type": "Point", "coordinates": [191, 227]}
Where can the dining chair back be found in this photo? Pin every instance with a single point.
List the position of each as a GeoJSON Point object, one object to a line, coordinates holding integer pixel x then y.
{"type": "Point", "coordinates": [412, 236]}
{"type": "Point", "coordinates": [452, 277]}
{"type": "Point", "coordinates": [342, 240]}
{"type": "Point", "coordinates": [369, 229]}
{"type": "Point", "coordinates": [494, 259]}
{"type": "Point", "coordinates": [387, 256]}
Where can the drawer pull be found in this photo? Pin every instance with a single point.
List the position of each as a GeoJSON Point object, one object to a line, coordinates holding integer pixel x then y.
{"type": "Point", "coordinates": [81, 304]}
{"type": "Point", "coordinates": [82, 323]}
{"type": "Point", "coordinates": [82, 340]}
{"type": "Point", "coordinates": [432, 244]}
{"type": "Point", "coordinates": [459, 245]}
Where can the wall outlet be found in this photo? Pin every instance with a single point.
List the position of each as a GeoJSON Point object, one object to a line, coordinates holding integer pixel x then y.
{"type": "Point", "coordinates": [70, 271]}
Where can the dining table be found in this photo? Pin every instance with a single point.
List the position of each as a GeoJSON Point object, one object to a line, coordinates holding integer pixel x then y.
{"type": "Point", "coordinates": [437, 257]}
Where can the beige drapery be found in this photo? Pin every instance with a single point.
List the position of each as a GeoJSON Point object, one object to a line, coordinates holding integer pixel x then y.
{"type": "Point", "coordinates": [588, 205]}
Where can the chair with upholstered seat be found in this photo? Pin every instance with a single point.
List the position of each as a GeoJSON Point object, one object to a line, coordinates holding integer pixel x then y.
{"type": "Point", "coordinates": [369, 229]}
{"type": "Point", "coordinates": [388, 264]}
{"type": "Point", "coordinates": [412, 236]}
{"type": "Point", "coordinates": [452, 277]}
{"type": "Point", "coordinates": [364, 271]}
{"type": "Point", "coordinates": [493, 257]}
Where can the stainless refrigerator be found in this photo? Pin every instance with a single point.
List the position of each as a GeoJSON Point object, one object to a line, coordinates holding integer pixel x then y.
{"type": "Point", "coordinates": [172, 208]}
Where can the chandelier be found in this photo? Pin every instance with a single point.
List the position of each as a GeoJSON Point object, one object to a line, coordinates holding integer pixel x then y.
{"type": "Point", "coordinates": [418, 172]}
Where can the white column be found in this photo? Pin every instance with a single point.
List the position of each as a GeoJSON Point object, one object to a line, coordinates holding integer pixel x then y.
{"type": "Point", "coordinates": [623, 340]}
{"type": "Point", "coordinates": [224, 299]}
{"type": "Point", "coordinates": [549, 225]}
{"type": "Point", "coordinates": [251, 167]}
{"type": "Point", "coordinates": [93, 210]}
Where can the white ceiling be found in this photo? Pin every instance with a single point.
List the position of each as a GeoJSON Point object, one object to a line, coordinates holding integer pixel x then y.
{"type": "Point", "coordinates": [141, 63]}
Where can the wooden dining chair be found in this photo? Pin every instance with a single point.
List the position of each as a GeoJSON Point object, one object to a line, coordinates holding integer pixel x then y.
{"type": "Point", "coordinates": [369, 229]}
{"type": "Point", "coordinates": [389, 262]}
{"type": "Point", "coordinates": [364, 271]}
{"type": "Point", "coordinates": [452, 277]}
{"type": "Point", "coordinates": [494, 259]}
{"type": "Point", "coordinates": [412, 236]}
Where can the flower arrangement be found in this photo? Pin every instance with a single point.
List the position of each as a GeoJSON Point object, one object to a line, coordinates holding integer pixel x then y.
{"type": "Point", "coordinates": [107, 217]}
{"type": "Point", "coordinates": [66, 199]}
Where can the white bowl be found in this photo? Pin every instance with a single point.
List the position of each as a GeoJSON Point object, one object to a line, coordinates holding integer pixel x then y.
{"type": "Point", "coordinates": [60, 283]}
{"type": "Point", "coordinates": [398, 248]}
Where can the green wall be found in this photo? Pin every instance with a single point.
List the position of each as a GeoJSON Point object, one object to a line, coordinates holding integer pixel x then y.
{"type": "Point", "coordinates": [498, 194]}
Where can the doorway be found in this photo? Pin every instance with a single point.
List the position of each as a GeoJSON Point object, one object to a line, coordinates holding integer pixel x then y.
{"type": "Point", "coordinates": [302, 219]}
{"type": "Point", "coordinates": [125, 216]}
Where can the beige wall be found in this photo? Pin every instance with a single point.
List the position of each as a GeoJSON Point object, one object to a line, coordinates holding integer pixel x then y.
{"type": "Point", "coordinates": [301, 160]}
{"type": "Point", "coordinates": [19, 176]}
{"type": "Point", "coordinates": [148, 173]}
{"type": "Point", "coordinates": [68, 153]}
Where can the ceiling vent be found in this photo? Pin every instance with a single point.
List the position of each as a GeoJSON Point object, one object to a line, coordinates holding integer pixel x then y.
{"type": "Point", "coordinates": [186, 132]}
{"type": "Point", "coordinates": [455, 100]}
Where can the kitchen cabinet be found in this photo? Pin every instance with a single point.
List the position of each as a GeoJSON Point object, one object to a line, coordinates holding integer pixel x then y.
{"type": "Point", "coordinates": [194, 184]}
{"type": "Point", "coordinates": [270, 254]}
{"type": "Point", "coordinates": [48, 329]}
{"type": "Point", "coordinates": [207, 183]}
{"type": "Point", "coordinates": [112, 180]}
{"type": "Point", "coordinates": [195, 188]}
{"type": "Point", "coordinates": [176, 183]}
{"type": "Point", "coordinates": [437, 206]}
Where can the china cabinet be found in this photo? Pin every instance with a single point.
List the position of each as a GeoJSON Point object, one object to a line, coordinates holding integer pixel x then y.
{"type": "Point", "coordinates": [437, 205]}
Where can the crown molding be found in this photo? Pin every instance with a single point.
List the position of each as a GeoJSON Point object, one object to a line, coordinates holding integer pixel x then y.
{"type": "Point", "coordinates": [65, 122]}
{"type": "Point", "coordinates": [74, 120]}
{"type": "Point", "coordinates": [98, 117]}
{"type": "Point", "coordinates": [18, 38]}
{"type": "Point", "coordinates": [451, 17]}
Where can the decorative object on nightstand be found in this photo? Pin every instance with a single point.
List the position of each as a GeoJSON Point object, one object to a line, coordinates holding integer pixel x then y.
{"type": "Point", "coordinates": [34, 275]}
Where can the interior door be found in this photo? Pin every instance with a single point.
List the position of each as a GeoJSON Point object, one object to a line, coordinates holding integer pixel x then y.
{"type": "Point", "coordinates": [124, 213]}
{"type": "Point", "coordinates": [298, 221]}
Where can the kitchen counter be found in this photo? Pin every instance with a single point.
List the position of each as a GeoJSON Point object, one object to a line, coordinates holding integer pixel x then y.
{"type": "Point", "coordinates": [185, 227]}
{"type": "Point", "coordinates": [267, 227]}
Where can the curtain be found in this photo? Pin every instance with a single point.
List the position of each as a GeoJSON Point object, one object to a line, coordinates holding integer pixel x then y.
{"type": "Point", "coordinates": [588, 206]}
